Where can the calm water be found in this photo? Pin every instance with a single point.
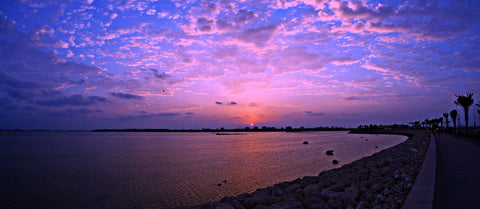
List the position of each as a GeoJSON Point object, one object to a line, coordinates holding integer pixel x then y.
{"type": "Point", "coordinates": [161, 170]}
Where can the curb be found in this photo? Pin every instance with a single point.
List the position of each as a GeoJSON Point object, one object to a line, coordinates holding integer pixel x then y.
{"type": "Point", "coordinates": [422, 193]}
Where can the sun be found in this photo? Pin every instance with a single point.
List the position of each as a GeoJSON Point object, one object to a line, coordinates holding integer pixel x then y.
{"type": "Point", "coordinates": [251, 124]}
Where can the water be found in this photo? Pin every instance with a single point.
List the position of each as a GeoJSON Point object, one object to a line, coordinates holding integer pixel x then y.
{"type": "Point", "coordinates": [162, 170]}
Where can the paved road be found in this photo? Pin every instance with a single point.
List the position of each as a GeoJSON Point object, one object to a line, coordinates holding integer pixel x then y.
{"type": "Point", "coordinates": [458, 174]}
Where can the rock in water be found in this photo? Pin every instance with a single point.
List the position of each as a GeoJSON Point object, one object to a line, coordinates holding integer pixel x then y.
{"type": "Point", "coordinates": [330, 152]}
{"type": "Point", "coordinates": [305, 142]}
{"type": "Point", "coordinates": [335, 162]}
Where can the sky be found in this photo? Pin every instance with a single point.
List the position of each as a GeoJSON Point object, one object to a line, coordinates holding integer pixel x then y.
{"type": "Point", "coordinates": [179, 64]}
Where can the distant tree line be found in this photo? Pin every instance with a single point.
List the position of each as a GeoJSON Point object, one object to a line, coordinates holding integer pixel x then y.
{"type": "Point", "coordinates": [463, 101]}
{"type": "Point", "coordinates": [246, 129]}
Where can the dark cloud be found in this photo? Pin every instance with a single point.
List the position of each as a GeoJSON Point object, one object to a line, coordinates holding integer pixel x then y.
{"type": "Point", "coordinates": [206, 28]}
{"type": "Point", "coordinates": [310, 113]}
{"type": "Point", "coordinates": [168, 114]}
{"type": "Point", "coordinates": [352, 98]}
{"type": "Point", "coordinates": [204, 21]}
{"type": "Point", "coordinates": [204, 24]}
{"type": "Point", "coordinates": [219, 103]}
{"type": "Point", "coordinates": [223, 24]}
{"type": "Point", "coordinates": [361, 11]}
{"type": "Point", "coordinates": [74, 100]}
{"type": "Point", "coordinates": [209, 6]}
{"type": "Point", "coordinates": [125, 95]}
{"type": "Point", "coordinates": [190, 113]}
{"type": "Point", "coordinates": [161, 75]}
{"type": "Point", "coordinates": [148, 116]}
{"type": "Point", "coordinates": [15, 83]}
{"type": "Point", "coordinates": [244, 16]}
{"type": "Point", "coordinates": [259, 36]}
{"type": "Point", "coordinates": [79, 111]}
{"type": "Point", "coordinates": [232, 103]}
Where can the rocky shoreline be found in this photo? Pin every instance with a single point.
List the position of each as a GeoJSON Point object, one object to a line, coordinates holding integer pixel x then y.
{"type": "Point", "coordinates": [382, 180]}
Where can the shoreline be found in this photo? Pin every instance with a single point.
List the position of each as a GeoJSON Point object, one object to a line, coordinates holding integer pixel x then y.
{"type": "Point", "coordinates": [382, 180]}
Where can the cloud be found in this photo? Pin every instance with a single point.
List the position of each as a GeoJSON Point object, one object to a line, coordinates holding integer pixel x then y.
{"type": "Point", "coordinates": [125, 95]}
{"type": "Point", "coordinates": [244, 16]}
{"type": "Point", "coordinates": [79, 111]}
{"type": "Point", "coordinates": [74, 100]}
{"type": "Point", "coordinates": [219, 103]}
{"type": "Point", "coordinates": [343, 61]}
{"type": "Point", "coordinates": [260, 36]}
{"type": "Point", "coordinates": [161, 75]}
{"type": "Point", "coordinates": [300, 54]}
{"type": "Point", "coordinates": [190, 113]}
{"type": "Point", "coordinates": [232, 103]}
{"type": "Point", "coordinates": [352, 98]}
{"type": "Point", "coordinates": [310, 113]}
{"type": "Point", "coordinates": [168, 114]}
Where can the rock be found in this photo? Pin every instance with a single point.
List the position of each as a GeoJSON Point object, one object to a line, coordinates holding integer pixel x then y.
{"type": "Point", "coordinates": [292, 197]}
{"type": "Point", "coordinates": [278, 192]}
{"type": "Point", "coordinates": [350, 195]}
{"type": "Point", "coordinates": [338, 187]}
{"type": "Point", "coordinates": [335, 203]}
{"type": "Point", "coordinates": [312, 190]}
{"type": "Point", "coordinates": [249, 202]}
{"type": "Point", "coordinates": [314, 203]}
{"type": "Point", "coordinates": [292, 188]}
{"type": "Point", "coordinates": [233, 201]}
{"type": "Point", "coordinates": [305, 142]}
{"type": "Point", "coordinates": [376, 187]}
{"type": "Point", "coordinates": [329, 194]}
{"type": "Point", "coordinates": [380, 197]}
{"type": "Point", "coordinates": [217, 205]}
{"type": "Point", "coordinates": [363, 205]}
{"type": "Point", "coordinates": [329, 152]}
{"type": "Point", "coordinates": [260, 207]}
{"type": "Point", "coordinates": [335, 162]}
{"type": "Point", "coordinates": [236, 204]}
{"type": "Point", "coordinates": [287, 205]}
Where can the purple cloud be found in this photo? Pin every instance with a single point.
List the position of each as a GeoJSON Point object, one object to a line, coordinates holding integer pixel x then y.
{"type": "Point", "coordinates": [125, 95]}
{"type": "Point", "coordinates": [310, 113]}
{"type": "Point", "coordinates": [161, 75]}
{"type": "Point", "coordinates": [244, 16]}
{"type": "Point", "coordinates": [259, 36]}
{"type": "Point", "coordinates": [74, 100]}
{"type": "Point", "coordinates": [168, 114]}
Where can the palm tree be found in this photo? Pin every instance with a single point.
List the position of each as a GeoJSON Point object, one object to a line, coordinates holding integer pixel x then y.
{"type": "Point", "coordinates": [446, 120]}
{"type": "Point", "coordinates": [453, 115]}
{"type": "Point", "coordinates": [478, 111]}
{"type": "Point", "coordinates": [465, 102]}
